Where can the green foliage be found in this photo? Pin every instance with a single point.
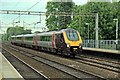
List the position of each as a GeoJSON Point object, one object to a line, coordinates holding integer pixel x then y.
{"type": "Point", "coordinates": [15, 31]}
{"type": "Point", "coordinates": [106, 11]}
{"type": "Point", "coordinates": [37, 32]}
{"type": "Point", "coordinates": [58, 21]}
{"type": "Point", "coordinates": [27, 31]}
{"type": "Point", "coordinates": [4, 37]}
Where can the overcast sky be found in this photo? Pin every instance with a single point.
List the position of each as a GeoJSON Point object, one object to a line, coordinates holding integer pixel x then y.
{"type": "Point", "coordinates": [7, 19]}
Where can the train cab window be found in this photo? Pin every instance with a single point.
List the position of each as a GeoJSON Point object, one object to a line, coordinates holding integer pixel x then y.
{"type": "Point", "coordinates": [72, 35]}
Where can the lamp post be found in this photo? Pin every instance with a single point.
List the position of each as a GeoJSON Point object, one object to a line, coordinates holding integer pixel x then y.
{"type": "Point", "coordinates": [116, 33]}
{"type": "Point", "coordinates": [96, 30]}
{"type": "Point", "coordinates": [88, 34]}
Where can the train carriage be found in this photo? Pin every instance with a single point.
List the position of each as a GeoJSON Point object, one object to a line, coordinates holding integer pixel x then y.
{"type": "Point", "coordinates": [18, 40]}
{"type": "Point", "coordinates": [28, 40]}
{"type": "Point", "coordinates": [66, 41]}
{"type": "Point", "coordinates": [46, 39]}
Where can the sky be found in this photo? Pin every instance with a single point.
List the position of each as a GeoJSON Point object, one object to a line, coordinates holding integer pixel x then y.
{"type": "Point", "coordinates": [6, 20]}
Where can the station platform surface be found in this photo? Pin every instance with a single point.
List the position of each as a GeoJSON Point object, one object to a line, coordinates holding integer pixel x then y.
{"type": "Point", "coordinates": [1, 76]}
{"type": "Point", "coordinates": [102, 50]}
{"type": "Point", "coordinates": [7, 70]}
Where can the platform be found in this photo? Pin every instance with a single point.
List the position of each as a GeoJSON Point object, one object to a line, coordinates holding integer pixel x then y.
{"type": "Point", "coordinates": [102, 50]}
{"type": "Point", "coordinates": [7, 70]}
{"type": "Point", "coordinates": [1, 76]}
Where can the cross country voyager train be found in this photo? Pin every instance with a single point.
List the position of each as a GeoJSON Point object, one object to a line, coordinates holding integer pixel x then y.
{"type": "Point", "coordinates": [65, 42]}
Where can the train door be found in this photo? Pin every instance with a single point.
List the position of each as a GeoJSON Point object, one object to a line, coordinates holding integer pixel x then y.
{"type": "Point", "coordinates": [36, 40]}
{"type": "Point", "coordinates": [22, 40]}
{"type": "Point", "coordinates": [59, 41]}
{"type": "Point", "coordinates": [62, 42]}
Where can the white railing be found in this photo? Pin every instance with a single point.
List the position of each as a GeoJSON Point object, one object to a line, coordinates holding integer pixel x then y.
{"type": "Point", "coordinates": [103, 44]}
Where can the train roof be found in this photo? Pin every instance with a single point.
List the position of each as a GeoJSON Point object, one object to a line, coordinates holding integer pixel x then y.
{"type": "Point", "coordinates": [57, 31]}
{"type": "Point", "coordinates": [17, 36]}
{"type": "Point", "coordinates": [13, 36]}
{"type": "Point", "coordinates": [28, 35]}
{"type": "Point", "coordinates": [43, 33]}
{"type": "Point", "coordinates": [46, 33]}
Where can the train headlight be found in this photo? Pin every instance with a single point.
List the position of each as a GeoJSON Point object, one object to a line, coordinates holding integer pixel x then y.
{"type": "Point", "coordinates": [80, 45]}
{"type": "Point", "coordinates": [68, 45]}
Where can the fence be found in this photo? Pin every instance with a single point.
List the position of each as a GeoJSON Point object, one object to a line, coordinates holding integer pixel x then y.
{"type": "Point", "coordinates": [103, 44]}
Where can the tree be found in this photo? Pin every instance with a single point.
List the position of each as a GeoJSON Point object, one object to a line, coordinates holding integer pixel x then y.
{"type": "Point", "coordinates": [37, 32]}
{"type": "Point", "coordinates": [58, 21]}
{"type": "Point", "coordinates": [4, 37]}
{"type": "Point", "coordinates": [12, 31]}
{"type": "Point", "coordinates": [27, 31]}
{"type": "Point", "coordinates": [107, 12]}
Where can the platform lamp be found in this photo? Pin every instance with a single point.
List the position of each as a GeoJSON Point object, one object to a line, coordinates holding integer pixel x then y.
{"type": "Point", "coordinates": [116, 33]}
{"type": "Point", "coordinates": [88, 34]}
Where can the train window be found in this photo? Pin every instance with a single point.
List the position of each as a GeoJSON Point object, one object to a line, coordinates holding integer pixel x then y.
{"type": "Point", "coordinates": [50, 38]}
{"type": "Point", "coordinates": [29, 38]}
{"type": "Point", "coordinates": [18, 38]}
{"type": "Point", "coordinates": [72, 35]}
{"type": "Point", "coordinates": [39, 38]}
{"type": "Point", "coordinates": [45, 38]}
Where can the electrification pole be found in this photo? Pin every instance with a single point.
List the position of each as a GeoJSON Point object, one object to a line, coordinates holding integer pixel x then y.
{"type": "Point", "coordinates": [88, 34]}
{"type": "Point", "coordinates": [96, 28]}
{"type": "Point", "coordinates": [116, 33]}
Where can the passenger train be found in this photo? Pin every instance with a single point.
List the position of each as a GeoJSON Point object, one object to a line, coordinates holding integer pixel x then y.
{"type": "Point", "coordinates": [65, 42]}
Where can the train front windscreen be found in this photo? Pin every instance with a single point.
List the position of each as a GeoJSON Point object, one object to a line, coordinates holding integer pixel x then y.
{"type": "Point", "coordinates": [72, 35]}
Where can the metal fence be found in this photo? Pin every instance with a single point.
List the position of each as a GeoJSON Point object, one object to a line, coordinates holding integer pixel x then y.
{"type": "Point", "coordinates": [103, 44]}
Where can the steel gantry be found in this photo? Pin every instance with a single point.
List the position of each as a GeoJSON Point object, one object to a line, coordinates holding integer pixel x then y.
{"type": "Point", "coordinates": [21, 12]}
{"type": "Point", "coordinates": [18, 12]}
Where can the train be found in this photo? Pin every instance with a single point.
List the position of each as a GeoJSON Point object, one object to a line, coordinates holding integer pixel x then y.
{"type": "Point", "coordinates": [64, 42]}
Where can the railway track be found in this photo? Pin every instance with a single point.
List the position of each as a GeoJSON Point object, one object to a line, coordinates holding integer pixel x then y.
{"type": "Point", "coordinates": [112, 61]}
{"type": "Point", "coordinates": [26, 71]}
{"type": "Point", "coordinates": [64, 74]}
{"type": "Point", "coordinates": [85, 60]}
{"type": "Point", "coordinates": [78, 74]}
{"type": "Point", "coordinates": [102, 63]}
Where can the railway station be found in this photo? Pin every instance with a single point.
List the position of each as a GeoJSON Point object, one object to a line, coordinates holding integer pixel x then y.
{"type": "Point", "coordinates": [59, 39]}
